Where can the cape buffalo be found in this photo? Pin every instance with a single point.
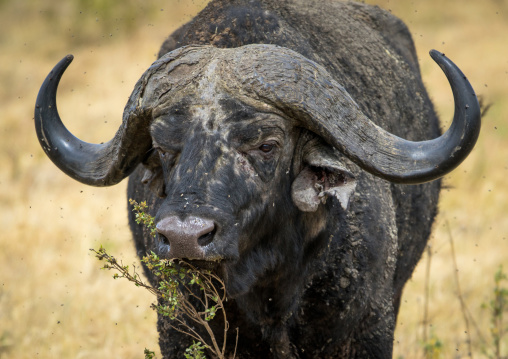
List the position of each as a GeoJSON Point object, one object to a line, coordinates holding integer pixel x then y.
{"type": "Point", "coordinates": [290, 145]}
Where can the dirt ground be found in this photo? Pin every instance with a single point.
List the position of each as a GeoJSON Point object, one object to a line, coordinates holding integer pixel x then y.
{"type": "Point", "coordinates": [54, 300]}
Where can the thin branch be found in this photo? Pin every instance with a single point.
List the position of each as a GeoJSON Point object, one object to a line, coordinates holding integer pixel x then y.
{"type": "Point", "coordinates": [236, 343]}
{"type": "Point", "coordinates": [226, 328]}
{"type": "Point", "coordinates": [218, 352]}
{"type": "Point", "coordinates": [191, 334]}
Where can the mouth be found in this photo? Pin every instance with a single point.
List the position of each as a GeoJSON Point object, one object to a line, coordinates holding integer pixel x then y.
{"type": "Point", "coordinates": [199, 264]}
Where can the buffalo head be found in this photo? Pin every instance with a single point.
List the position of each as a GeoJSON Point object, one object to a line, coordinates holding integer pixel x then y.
{"type": "Point", "coordinates": [232, 138]}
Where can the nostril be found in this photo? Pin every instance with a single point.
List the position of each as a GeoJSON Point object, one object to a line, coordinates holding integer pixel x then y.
{"type": "Point", "coordinates": [163, 239]}
{"type": "Point", "coordinates": [207, 238]}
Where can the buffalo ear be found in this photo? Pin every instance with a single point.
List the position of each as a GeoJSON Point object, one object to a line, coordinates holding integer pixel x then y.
{"type": "Point", "coordinates": [323, 175]}
{"type": "Point", "coordinates": [153, 176]}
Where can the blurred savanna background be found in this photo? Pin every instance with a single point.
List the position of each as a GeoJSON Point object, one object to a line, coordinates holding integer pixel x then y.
{"type": "Point", "coordinates": [55, 302]}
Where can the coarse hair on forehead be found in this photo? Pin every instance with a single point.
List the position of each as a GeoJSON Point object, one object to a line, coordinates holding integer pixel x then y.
{"type": "Point", "coordinates": [257, 75]}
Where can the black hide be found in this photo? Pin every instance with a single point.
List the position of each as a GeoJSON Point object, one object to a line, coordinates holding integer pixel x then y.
{"type": "Point", "coordinates": [322, 284]}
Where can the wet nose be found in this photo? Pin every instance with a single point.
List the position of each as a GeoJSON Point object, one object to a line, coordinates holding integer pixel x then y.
{"type": "Point", "coordinates": [186, 237]}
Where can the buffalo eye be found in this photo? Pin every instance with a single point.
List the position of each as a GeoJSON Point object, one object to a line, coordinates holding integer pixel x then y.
{"type": "Point", "coordinates": [266, 147]}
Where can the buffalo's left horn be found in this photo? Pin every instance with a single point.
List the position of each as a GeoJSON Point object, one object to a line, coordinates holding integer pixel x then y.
{"type": "Point", "coordinates": [93, 164]}
{"type": "Point", "coordinates": [305, 90]}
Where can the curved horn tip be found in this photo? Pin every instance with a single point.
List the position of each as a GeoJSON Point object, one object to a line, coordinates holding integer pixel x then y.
{"type": "Point", "coordinates": [69, 58]}
{"type": "Point", "coordinates": [439, 57]}
{"type": "Point", "coordinates": [444, 62]}
{"type": "Point", "coordinates": [435, 53]}
{"type": "Point", "coordinates": [64, 62]}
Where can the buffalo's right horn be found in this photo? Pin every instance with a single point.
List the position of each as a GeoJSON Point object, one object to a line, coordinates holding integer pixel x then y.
{"type": "Point", "coordinates": [93, 164]}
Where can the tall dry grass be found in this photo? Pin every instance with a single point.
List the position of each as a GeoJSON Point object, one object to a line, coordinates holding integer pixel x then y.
{"type": "Point", "coordinates": [55, 303]}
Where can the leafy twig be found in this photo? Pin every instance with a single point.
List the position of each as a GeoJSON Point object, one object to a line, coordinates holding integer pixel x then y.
{"type": "Point", "coordinates": [178, 283]}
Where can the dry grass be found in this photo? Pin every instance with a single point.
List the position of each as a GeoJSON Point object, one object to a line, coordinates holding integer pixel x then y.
{"type": "Point", "coordinates": [55, 303]}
